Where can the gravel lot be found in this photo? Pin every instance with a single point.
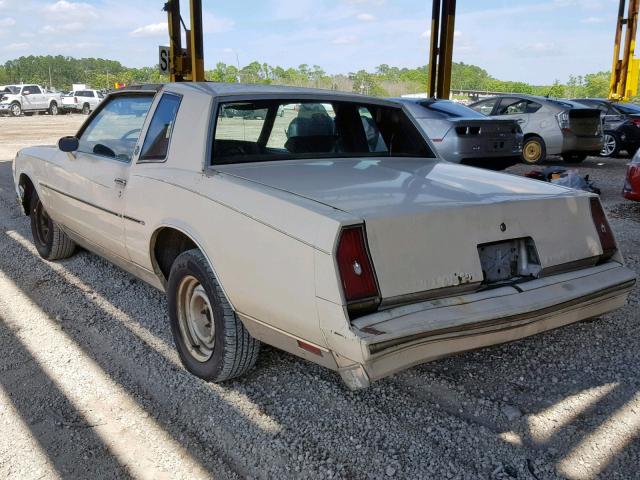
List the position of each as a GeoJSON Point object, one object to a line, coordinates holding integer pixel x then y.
{"type": "Point", "coordinates": [90, 385]}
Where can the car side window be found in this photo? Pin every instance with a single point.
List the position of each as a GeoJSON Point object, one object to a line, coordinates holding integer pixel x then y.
{"type": "Point", "coordinates": [485, 107]}
{"type": "Point", "coordinates": [512, 106]}
{"type": "Point", "coordinates": [114, 131]}
{"type": "Point", "coordinates": [156, 143]}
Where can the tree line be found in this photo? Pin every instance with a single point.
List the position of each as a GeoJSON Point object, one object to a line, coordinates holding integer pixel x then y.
{"type": "Point", "coordinates": [60, 72]}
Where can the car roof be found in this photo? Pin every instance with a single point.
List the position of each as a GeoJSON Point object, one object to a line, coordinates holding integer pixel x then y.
{"type": "Point", "coordinates": [245, 89]}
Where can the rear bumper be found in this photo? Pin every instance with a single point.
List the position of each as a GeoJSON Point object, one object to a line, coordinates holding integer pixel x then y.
{"type": "Point", "coordinates": [402, 337]}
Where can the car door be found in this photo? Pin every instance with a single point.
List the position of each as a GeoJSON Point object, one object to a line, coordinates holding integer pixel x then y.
{"type": "Point", "coordinates": [91, 184]}
{"type": "Point", "coordinates": [30, 98]}
{"type": "Point", "coordinates": [514, 108]}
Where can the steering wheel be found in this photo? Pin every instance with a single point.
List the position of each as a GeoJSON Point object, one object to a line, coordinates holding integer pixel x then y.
{"type": "Point", "coordinates": [129, 133]}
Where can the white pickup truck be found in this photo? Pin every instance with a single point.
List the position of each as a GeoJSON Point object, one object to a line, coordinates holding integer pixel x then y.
{"type": "Point", "coordinates": [84, 101]}
{"type": "Point", "coordinates": [15, 99]}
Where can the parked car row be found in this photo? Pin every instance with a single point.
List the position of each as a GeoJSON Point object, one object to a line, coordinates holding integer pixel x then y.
{"type": "Point", "coordinates": [334, 232]}
{"type": "Point", "coordinates": [30, 99]}
{"type": "Point", "coordinates": [81, 101]}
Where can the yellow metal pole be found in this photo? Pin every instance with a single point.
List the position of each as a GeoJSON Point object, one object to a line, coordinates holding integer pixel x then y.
{"type": "Point", "coordinates": [172, 8]}
{"type": "Point", "coordinates": [197, 43]}
{"type": "Point", "coordinates": [433, 51]}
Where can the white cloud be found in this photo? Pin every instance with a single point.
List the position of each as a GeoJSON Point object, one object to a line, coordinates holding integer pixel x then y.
{"type": "Point", "coordinates": [7, 22]}
{"type": "Point", "coordinates": [425, 34]}
{"type": "Point", "coordinates": [71, 11]}
{"type": "Point", "coordinates": [151, 30]}
{"type": "Point", "coordinates": [213, 24]}
{"type": "Point", "coordinates": [64, 27]}
{"type": "Point", "coordinates": [15, 47]}
{"type": "Point", "coordinates": [345, 40]}
{"type": "Point", "coordinates": [366, 17]}
{"type": "Point", "coordinates": [594, 20]}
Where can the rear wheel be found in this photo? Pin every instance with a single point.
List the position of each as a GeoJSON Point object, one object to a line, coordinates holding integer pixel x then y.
{"type": "Point", "coordinates": [574, 157]}
{"type": "Point", "coordinates": [211, 341]}
{"type": "Point", "coordinates": [86, 109]}
{"type": "Point", "coordinates": [16, 109]}
{"type": "Point", "coordinates": [53, 108]}
{"type": "Point", "coordinates": [610, 145]}
{"type": "Point", "coordinates": [51, 242]}
{"type": "Point", "coordinates": [534, 151]}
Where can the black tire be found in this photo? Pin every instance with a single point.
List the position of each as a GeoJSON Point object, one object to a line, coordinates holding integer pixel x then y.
{"type": "Point", "coordinates": [86, 109]}
{"type": "Point", "coordinates": [16, 109]}
{"type": "Point", "coordinates": [611, 145]}
{"type": "Point", "coordinates": [53, 109]}
{"type": "Point", "coordinates": [534, 151]}
{"type": "Point", "coordinates": [574, 157]}
{"type": "Point", "coordinates": [234, 351]}
{"type": "Point", "coordinates": [50, 241]}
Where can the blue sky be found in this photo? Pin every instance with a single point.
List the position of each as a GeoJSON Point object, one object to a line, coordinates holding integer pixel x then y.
{"type": "Point", "coordinates": [536, 41]}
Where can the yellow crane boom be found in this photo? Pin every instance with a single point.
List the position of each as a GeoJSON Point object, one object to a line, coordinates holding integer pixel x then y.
{"type": "Point", "coordinates": [625, 70]}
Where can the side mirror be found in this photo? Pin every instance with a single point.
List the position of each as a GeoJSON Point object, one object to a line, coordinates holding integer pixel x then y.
{"type": "Point", "coordinates": [68, 144]}
{"type": "Point", "coordinates": [24, 94]}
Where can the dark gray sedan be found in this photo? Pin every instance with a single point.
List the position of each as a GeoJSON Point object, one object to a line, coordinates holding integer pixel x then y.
{"type": "Point", "coordinates": [462, 135]}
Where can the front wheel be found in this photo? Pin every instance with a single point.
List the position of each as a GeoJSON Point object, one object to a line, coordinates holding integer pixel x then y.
{"type": "Point", "coordinates": [16, 109]}
{"type": "Point", "coordinates": [610, 145]}
{"type": "Point", "coordinates": [574, 157]}
{"type": "Point", "coordinates": [50, 241]}
{"type": "Point", "coordinates": [533, 151]}
{"type": "Point", "coordinates": [211, 341]}
{"type": "Point", "coordinates": [53, 108]}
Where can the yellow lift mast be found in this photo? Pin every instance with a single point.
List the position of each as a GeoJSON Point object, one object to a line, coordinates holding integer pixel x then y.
{"type": "Point", "coordinates": [443, 18]}
{"type": "Point", "coordinates": [625, 70]}
{"type": "Point", "coordinates": [185, 64]}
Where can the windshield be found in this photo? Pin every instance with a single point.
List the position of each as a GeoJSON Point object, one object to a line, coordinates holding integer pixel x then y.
{"type": "Point", "coordinates": [11, 89]}
{"type": "Point", "coordinates": [629, 108]}
{"type": "Point", "coordinates": [453, 109]}
{"type": "Point", "coordinates": [255, 131]}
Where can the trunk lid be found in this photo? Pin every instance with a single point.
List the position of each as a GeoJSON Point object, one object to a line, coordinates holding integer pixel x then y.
{"type": "Point", "coordinates": [585, 122]}
{"type": "Point", "coordinates": [425, 220]}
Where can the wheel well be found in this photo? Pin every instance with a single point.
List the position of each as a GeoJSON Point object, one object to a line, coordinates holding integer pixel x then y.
{"type": "Point", "coordinates": [167, 244]}
{"type": "Point", "coordinates": [27, 186]}
{"type": "Point", "coordinates": [530, 135]}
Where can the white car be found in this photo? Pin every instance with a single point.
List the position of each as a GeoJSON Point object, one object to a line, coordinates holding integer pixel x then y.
{"type": "Point", "coordinates": [16, 99]}
{"type": "Point", "coordinates": [83, 101]}
{"type": "Point", "coordinates": [355, 248]}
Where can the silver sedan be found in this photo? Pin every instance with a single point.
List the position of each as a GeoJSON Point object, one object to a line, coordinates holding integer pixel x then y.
{"type": "Point", "coordinates": [462, 135]}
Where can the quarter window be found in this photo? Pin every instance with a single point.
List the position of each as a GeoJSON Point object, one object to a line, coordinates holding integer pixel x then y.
{"type": "Point", "coordinates": [485, 107]}
{"type": "Point", "coordinates": [156, 143]}
{"type": "Point", "coordinates": [114, 131]}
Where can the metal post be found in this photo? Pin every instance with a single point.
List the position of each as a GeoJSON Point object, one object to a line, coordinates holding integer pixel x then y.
{"type": "Point", "coordinates": [197, 47]}
{"type": "Point", "coordinates": [441, 52]}
{"type": "Point", "coordinates": [433, 51]}
{"type": "Point", "coordinates": [172, 8]}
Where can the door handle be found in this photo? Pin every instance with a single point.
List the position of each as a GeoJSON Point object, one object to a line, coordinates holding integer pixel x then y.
{"type": "Point", "coordinates": [120, 182]}
{"type": "Point", "coordinates": [521, 121]}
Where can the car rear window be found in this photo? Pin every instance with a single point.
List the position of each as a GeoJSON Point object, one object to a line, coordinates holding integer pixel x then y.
{"type": "Point", "coordinates": [256, 131]}
{"type": "Point", "coordinates": [628, 108]}
{"type": "Point", "coordinates": [452, 109]}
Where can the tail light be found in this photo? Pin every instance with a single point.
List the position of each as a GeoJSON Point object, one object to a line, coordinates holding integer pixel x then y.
{"type": "Point", "coordinates": [563, 121]}
{"type": "Point", "coordinates": [607, 241]}
{"type": "Point", "coordinates": [636, 121]}
{"type": "Point", "coordinates": [468, 130]}
{"type": "Point", "coordinates": [356, 272]}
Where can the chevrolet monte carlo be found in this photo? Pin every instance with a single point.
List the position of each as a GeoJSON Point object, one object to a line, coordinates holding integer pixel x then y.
{"type": "Point", "coordinates": [325, 226]}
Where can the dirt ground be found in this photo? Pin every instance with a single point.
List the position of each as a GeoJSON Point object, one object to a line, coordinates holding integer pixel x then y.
{"type": "Point", "coordinates": [91, 387]}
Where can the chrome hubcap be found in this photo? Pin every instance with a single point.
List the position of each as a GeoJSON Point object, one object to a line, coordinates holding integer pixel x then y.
{"type": "Point", "coordinates": [608, 146]}
{"type": "Point", "coordinates": [16, 110]}
{"type": "Point", "coordinates": [195, 317]}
